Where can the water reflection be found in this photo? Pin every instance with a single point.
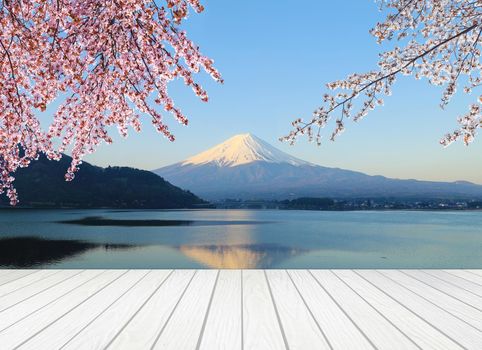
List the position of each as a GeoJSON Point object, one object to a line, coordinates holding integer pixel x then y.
{"type": "Point", "coordinates": [243, 256]}
{"type": "Point", "coordinates": [239, 239]}
{"type": "Point", "coordinates": [31, 252]}
{"type": "Point", "coordinates": [101, 221]}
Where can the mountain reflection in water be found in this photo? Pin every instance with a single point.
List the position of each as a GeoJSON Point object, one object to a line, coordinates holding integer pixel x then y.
{"type": "Point", "coordinates": [245, 256]}
{"type": "Point", "coordinates": [101, 221]}
{"type": "Point", "coordinates": [30, 252]}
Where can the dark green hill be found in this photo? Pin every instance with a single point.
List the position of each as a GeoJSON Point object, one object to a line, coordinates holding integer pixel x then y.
{"type": "Point", "coordinates": [42, 184]}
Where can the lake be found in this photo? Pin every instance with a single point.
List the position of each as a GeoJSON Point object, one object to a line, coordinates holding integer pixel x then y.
{"type": "Point", "coordinates": [239, 239]}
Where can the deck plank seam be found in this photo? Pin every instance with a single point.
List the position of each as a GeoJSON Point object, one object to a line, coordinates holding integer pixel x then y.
{"type": "Point", "coordinates": [441, 291]}
{"type": "Point", "coordinates": [50, 302]}
{"type": "Point", "coordinates": [377, 311]}
{"type": "Point", "coordinates": [106, 308]}
{"type": "Point", "coordinates": [451, 283]}
{"type": "Point", "coordinates": [431, 302]}
{"type": "Point", "coordinates": [70, 310]}
{"type": "Point", "coordinates": [413, 312]}
{"type": "Point", "coordinates": [343, 311]}
{"type": "Point", "coordinates": [19, 278]}
{"type": "Point", "coordinates": [39, 292]}
{"type": "Point", "coordinates": [29, 284]}
{"type": "Point", "coordinates": [285, 340]}
{"type": "Point", "coordinates": [309, 310]}
{"type": "Point", "coordinates": [473, 273]}
{"type": "Point", "coordinates": [138, 310]}
{"type": "Point", "coordinates": [172, 312]}
{"type": "Point", "coordinates": [473, 282]}
{"type": "Point", "coordinates": [198, 345]}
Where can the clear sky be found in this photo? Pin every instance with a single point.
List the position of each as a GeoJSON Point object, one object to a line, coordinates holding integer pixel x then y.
{"type": "Point", "coordinates": [275, 57]}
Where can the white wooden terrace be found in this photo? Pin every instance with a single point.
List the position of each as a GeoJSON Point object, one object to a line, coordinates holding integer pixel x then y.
{"type": "Point", "coordinates": [240, 309]}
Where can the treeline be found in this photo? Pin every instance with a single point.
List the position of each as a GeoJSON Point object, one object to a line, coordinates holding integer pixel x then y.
{"type": "Point", "coordinates": [42, 185]}
{"type": "Point", "coordinates": [308, 203]}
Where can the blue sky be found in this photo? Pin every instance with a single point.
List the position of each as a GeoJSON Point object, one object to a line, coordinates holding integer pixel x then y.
{"type": "Point", "coordinates": [275, 58]}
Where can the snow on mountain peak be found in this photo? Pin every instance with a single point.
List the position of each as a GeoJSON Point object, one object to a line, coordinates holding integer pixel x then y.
{"type": "Point", "coordinates": [243, 149]}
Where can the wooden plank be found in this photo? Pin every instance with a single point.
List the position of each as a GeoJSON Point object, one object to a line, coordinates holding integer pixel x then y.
{"type": "Point", "coordinates": [234, 309]}
{"type": "Point", "coordinates": [183, 329]}
{"type": "Point", "coordinates": [453, 306]}
{"type": "Point", "coordinates": [458, 281]}
{"type": "Point", "coordinates": [457, 330]}
{"type": "Point", "coordinates": [24, 294]}
{"type": "Point", "coordinates": [25, 282]}
{"type": "Point", "coordinates": [20, 311]}
{"type": "Point", "coordinates": [16, 275]}
{"type": "Point", "coordinates": [260, 323]}
{"type": "Point", "coordinates": [340, 331]}
{"type": "Point", "coordinates": [378, 330]}
{"type": "Point", "coordinates": [300, 328]}
{"type": "Point", "coordinates": [57, 333]}
{"type": "Point", "coordinates": [5, 272]}
{"type": "Point", "coordinates": [223, 328]}
{"type": "Point", "coordinates": [102, 329]}
{"type": "Point", "coordinates": [142, 330]}
{"type": "Point", "coordinates": [422, 333]}
{"type": "Point", "coordinates": [473, 278]}
{"type": "Point", "coordinates": [449, 288]}
{"type": "Point", "coordinates": [21, 331]}
{"type": "Point", "coordinates": [477, 272]}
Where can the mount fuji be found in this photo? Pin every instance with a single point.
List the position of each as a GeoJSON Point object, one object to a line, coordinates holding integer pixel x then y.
{"type": "Point", "coordinates": [246, 167]}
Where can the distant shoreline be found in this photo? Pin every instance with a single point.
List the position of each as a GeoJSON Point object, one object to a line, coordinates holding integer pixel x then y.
{"type": "Point", "coordinates": [254, 209]}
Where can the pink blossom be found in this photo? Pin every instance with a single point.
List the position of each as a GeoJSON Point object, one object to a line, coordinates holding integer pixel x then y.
{"type": "Point", "coordinates": [439, 40]}
{"type": "Point", "coordinates": [107, 57]}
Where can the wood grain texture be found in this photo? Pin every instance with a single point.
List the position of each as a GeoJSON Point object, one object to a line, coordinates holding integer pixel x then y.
{"type": "Point", "coordinates": [463, 283]}
{"type": "Point", "coordinates": [381, 332]}
{"type": "Point", "coordinates": [430, 310]}
{"type": "Point", "coordinates": [455, 307]}
{"type": "Point", "coordinates": [338, 328]}
{"type": "Point", "coordinates": [223, 329]}
{"type": "Point", "coordinates": [22, 331]}
{"type": "Point", "coordinates": [260, 323]}
{"type": "Point", "coordinates": [17, 312]}
{"type": "Point", "coordinates": [102, 329]}
{"type": "Point", "coordinates": [451, 289]}
{"type": "Point", "coordinates": [300, 327]}
{"type": "Point", "coordinates": [422, 333]}
{"type": "Point", "coordinates": [141, 332]}
{"type": "Point", "coordinates": [58, 333]}
{"type": "Point", "coordinates": [240, 309]}
{"type": "Point", "coordinates": [23, 294]}
{"type": "Point", "coordinates": [184, 327]}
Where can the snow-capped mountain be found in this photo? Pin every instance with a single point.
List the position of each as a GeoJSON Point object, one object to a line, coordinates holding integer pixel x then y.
{"type": "Point", "coordinates": [247, 167]}
{"type": "Point", "coordinates": [242, 149]}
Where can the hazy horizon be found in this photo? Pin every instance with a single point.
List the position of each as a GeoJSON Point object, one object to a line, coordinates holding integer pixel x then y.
{"type": "Point", "coordinates": [275, 145]}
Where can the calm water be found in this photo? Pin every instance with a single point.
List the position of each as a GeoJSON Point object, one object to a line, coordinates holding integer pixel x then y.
{"type": "Point", "coordinates": [239, 239]}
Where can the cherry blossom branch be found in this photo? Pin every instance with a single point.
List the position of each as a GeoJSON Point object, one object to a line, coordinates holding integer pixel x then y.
{"type": "Point", "coordinates": [89, 50]}
{"type": "Point", "coordinates": [451, 23]}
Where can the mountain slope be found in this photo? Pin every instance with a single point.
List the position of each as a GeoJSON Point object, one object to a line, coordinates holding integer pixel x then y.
{"type": "Point", "coordinates": [42, 184]}
{"type": "Point", "coordinates": [242, 149]}
{"type": "Point", "coordinates": [248, 168]}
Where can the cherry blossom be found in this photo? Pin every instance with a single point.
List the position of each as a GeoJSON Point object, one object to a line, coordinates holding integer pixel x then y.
{"type": "Point", "coordinates": [440, 40]}
{"type": "Point", "coordinates": [109, 63]}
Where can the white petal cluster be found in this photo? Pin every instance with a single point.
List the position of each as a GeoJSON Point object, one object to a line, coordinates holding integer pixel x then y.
{"type": "Point", "coordinates": [439, 40]}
